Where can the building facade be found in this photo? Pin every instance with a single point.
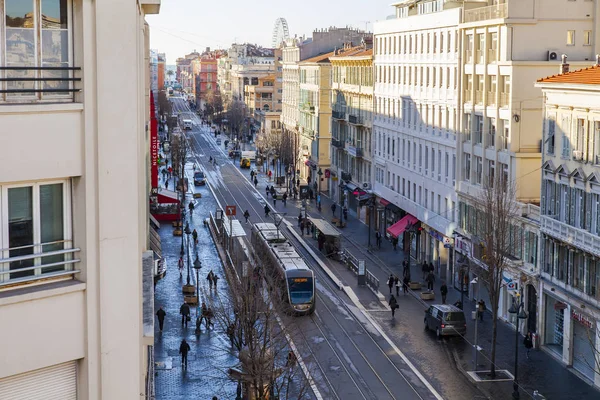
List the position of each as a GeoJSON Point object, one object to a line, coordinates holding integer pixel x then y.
{"type": "Point", "coordinates": [162, 69]}
{"type": "Point", "coordinates": [415, 126]}
{"type": "Point", "coordinates": [351, 127]}
{"type": "Point", "coordinates": [570, 219]}
{"type": "Point", "coordinates": [72, 236]}
{"type": "Point", "coordinates": [206, 80]}
{"type": "Point", "coordinates": [505, 47]}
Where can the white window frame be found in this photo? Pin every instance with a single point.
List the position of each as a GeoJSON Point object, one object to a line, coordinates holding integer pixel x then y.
{"type": "Point", "coordinates": [571, 37]}
{"type": "Point", "coordinates": [37, 245]}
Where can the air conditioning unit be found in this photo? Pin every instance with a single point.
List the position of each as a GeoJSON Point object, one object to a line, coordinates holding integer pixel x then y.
{"type": "Point", "coordinates": [366, 185]}
{"type": "Point", "coordinates": [552, 55]}
{"type": "Point", "coordinates": [577, 155]}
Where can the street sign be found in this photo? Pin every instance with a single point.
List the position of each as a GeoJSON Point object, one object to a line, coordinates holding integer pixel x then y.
{"type": "Point", "coordinates": [361, 267]}
{"type": "Point", "coordinates": [230, 211]}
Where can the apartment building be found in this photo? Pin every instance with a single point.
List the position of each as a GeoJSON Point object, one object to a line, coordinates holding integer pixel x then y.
{"type": "Point", "coordinates": [161, 70]}
{"type": "Point", "coordinates": [224, 78]}
{"type": "Point", "coordinates": [248, 64]}
{"type": "Point", "coordinates": [570, 219]}
{"type": "Point", "coordinates": [206, 79]}
{"type": "Point", "coordinates": [506, 47]}
{"type": "Point", "coordinates": [415, 126]}
{"type": "Point", "coordinates": [298, 49]}
{"type": "Point", "coordinates": [73, 237]}
{"type": "Point", "coordinates": [351, 126]}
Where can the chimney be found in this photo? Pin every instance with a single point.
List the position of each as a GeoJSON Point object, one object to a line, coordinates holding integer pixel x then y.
{"type": "Point", "coordinates": [564, 67]}
{"type": "Point", "coordinates": [598, 60]}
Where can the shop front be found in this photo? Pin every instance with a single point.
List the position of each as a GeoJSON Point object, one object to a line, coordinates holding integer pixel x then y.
{"type": "Point", "coordinates": [554, 329]}
{"type": "Point", "coordinates": [462, 256]}
{"type": "Point", "coordinates": [438, 250]}
{"type": "Point", "coordinates": [584, 343]}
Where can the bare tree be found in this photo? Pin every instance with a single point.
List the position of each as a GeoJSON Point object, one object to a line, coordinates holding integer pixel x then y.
{"type": "Point", "coordinates": [235, 116]}
{"type": "Point", "coordinates": [258, 340]}
{"type": "Point", "coordinates": [179, 153]}
{"type": "Point", "coordinates": [213, 103]}
{"type": "Point", "coordinates": [165, 108]}
{"type": "Point", "coordinates": [497, 201]}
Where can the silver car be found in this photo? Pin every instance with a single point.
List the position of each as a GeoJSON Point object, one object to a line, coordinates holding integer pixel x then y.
{"type": "Point", "coordinates": [445, 320]}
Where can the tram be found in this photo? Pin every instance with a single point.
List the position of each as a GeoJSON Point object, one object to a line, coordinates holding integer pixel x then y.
{"type": "Point", "coordinates": [294, 279]}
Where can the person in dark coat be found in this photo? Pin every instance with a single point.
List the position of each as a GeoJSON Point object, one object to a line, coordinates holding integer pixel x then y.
{"type": "Point", "coordinates": [209, 317]}
{"type": "Point", "coordinates": [255, 182]}
{"type": "Point", "coordinates": [210, 278]}
{"type": "Point", "coordinates": [405, 268]}
{"type": "Point", "coordinates": [393, 303]}
{"type": "Point", "coordinates": [267, 210]}
{"type": "Point", "coordinates": [161, 314]}
{"type": "Point", "coordinates": [300, 219]}
{"type": "Point", "coordinates": [528, 342]}
{"type": "Point", "coordinates": [378, 239]}
{"type": "Point", "coordinates": [431, 267]}
{"type": "Point", "coordinates": [395, 243]}
{"type": "Point", "coordinates": [430, 279]}
{"type": "Point", "coordinates": [246, 215]}
{"type": "Point", "coordinates": [184, 310]}
{"type": "Point", "coordinates": [405, 283]}
{"type": "Point", "coordinates": [480, 309]}
{"type": "Point", "coordinates": [184, 348]}
{"type": "Point", "coordinates": [425, 270]}
{"type": "Point", "coordinates": [215, 280]}
{"type": "Point", "coordinates": [302, 227]}
{"type": "Point", "coordinates": [333, 207]}
{"type": "Point", "coordinates": [284, 199]}
{"type": "Point", "coordinates": [397, 284]}
{"type": "Point", "coordinates": [390, 282]}
{"type": "Point", "coordinates": [444, 292]}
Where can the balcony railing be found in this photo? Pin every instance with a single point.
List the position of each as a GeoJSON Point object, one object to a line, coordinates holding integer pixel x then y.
{"type": "Point", "coordinates": [491, 98]}
{"type": "Point", "coordinates": [468, 96]}
{"type": "Point", "coordinates": [23, 82]}
{"type": "Point", "coordinates": [479, 56]}
{"type": "Point", "coordinates": [571, 235]}
{"type": "Point", "coordinates": [360, 152]}
{"type": "Point", "coordinates": [485, 13]}
{"type": "Point", "coordinates": [355, 119]}
{"type": "Point", "coordinates": [478, 97]}
{"type": "Point", "coordinates": [38, 262]}
{"type": "Point", "coordinates": [492, 55]}
{"type": "Point", "coordinates": [490, 140]}
{"type": "Point", "coordinates": [338, 114]}
{"type": "Point", "coordinates": [337, 143]}
{"type": "Point", "coordinates": [468, 56]}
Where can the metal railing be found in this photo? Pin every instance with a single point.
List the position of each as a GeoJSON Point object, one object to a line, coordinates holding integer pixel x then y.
{"type": "Point", "coordinates": [11, 275]}
{"type": "Point", "coordinates": [491, 98]}
{"type": "Point", "coordinates": [468, 96]}
{"type": "Point", "coordinates": [479, 56]}
{"type": "Point", "coordinates": [503, 100]}
{"type": "Point", "coordinates": [360, 152]}
{"type": "Point", "coordinates": [372, 281]}
{"type": "Point", "coordinates": [337, 143]}
{"type": "Point", "coordinates": [352, 264]}
{"type": "Point", "coordinates": [37, 81]}
{"type": "Point", "coordinates": [478, 97]}
{"type": "Point", "coordinates": [338, 114]}
{"type": "Point", "coordinates": [355, 119]}
{"type": "Point", "coordinates": [485, 13]}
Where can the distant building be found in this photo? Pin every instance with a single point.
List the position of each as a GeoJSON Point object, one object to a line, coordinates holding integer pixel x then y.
{"type": "Point", "coordinates": [162, 67]}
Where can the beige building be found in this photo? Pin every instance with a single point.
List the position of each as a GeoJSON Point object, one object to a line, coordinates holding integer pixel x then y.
{"type": "Point", "coordinates": [72, 234]}
{"type": "Point", "coordinates": [314, 118]}
{"type": "Point", "coordinates": [351, 126]}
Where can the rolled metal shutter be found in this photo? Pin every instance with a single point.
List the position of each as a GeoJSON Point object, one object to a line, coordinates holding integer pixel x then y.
{"type": "Point", "coordinates": [58, 382]}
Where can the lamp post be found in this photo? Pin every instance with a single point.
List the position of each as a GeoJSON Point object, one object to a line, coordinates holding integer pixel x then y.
{"type": "Point", "coordinates": [341, 202]}
{"type": "Point", "coordinates": [517, 308]}
{"type": "Point", "coordinates": [187, 233]}
{"type": "Point", "coordinates": [181, 224]}
{"type": "Point", "coordinates": [197, 266]}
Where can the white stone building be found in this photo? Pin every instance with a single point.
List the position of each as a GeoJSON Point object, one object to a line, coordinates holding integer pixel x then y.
{"type": "Point", "coordinates": [570, 220]}
{"type": "Point", "coordinates": [415, 123]}
{"type": "Point", "coordinates": [74, 200]}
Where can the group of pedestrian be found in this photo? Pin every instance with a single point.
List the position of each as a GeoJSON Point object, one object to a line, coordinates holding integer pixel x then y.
{"type": "Point", "coordinates": [304, 225]}
{"type": "Point", "coordinates": [212, 279]}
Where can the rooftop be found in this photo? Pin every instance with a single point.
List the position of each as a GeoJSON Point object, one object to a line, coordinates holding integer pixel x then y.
{"type": "Point", "coordinates": [586, 76]}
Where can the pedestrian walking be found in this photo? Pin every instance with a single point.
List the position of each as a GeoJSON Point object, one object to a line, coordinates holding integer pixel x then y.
{"type": "Point", "coordinates": [209, 317]}
{"type": "Point", "coordinates": [425, 270]}
{"type": "Point", "coordinates": [180, 265]}
{"type": "Point", "coordinates": [255, 182]}
{"type": "Point", "coordinates": [405, 283]}
{"type": "Point", "coordinates": [267, 191]}
{"type": "Point", "coordinates": [203, 311]}
{"type": "Point", "coordinates": [345, 212]}
{"type": "Point", "coordinates": [393, 303]}
{"type": "Point", "coordinates": [378, 239]}
{"type": "Point", "coordinates": [284, 199]}
{"type": "Point", "coordinates": [390, 282]}
{"type": "Point", "coordinates": [298, 182]}
{"type": "Point", "coordinates": [161, 314]}
{"type": "Point", "coordinates": [215, 280]}
{"type": "Point", "coordinates": [251, 175]}
{"type": "Point", "coordinates": [397, 284]}
{"type": "Point", "coordinates": [444, 291]}
{"type": "Point", "coordinates": [431, 267]}
{"type": "Point", "coordinates": [430, 279]}
{"type": "Point", "coordinates": [184, 310]}
{"type": "Point", "coordinates": [480, 309]}
{"type": "Point", "coordinates": [191, 207]}
{"type": "Point", "coordinates": [300, 220]}
{"type": "Point", "coordinates": [406, 268]}
{"type": "Point", "coordinates": [267, 210]}
{"type": "Point", "coordinates": [231, 333]}
{"type": "Point", "coordinates": [395, 243]}
{"type": "Point", "coordinates": [307, 226]}
{"type": "Point", "coordinates": [274, 201]}
{"type": "Point", "coordinates": [333, 207]}
{"type": "Point", "coordinates": [295, 193]}
{"type": "Point", "coordinates": [210, 278]}
{"type": "Point", "coordinates": [273, 192]}
{"type": "Point", "coordinates": [184, 348]}
{"type": "Point", "coordinates": [195, 236]}
{"type": "Point", "coordinates": [302, 227]}
{"type": "Point", "coordinates": [246, 215]}
{"type": "Point", "coordinates": [528, 342]}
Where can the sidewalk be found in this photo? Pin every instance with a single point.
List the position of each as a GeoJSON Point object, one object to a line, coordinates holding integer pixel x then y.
{"type": "Point", "coordinates": [209, 357]}
{"type": "Point", "coordinates": [540, 372]}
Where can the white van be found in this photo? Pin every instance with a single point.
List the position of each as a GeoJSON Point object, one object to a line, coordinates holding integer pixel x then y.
{"type": "Point", "coordinates": [250, 155]}
{"type": "Point", "coordinates": [187, 124]}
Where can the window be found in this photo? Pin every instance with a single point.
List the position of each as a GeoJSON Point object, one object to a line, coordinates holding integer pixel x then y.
{"type": "Point", "coordinates": [478, 134]}
{"type": "Point", "coordinates": [566, 142]}
{"type": "Point", "coordinates": [35, 42]}
{"type": "Point", "coordinates": [551, 130]}
{"type": "Point", "coordinates": [493, 51]}
{"type": "Point", "coordinates": [570, 38]}
{"type": "Point", "coordinates": [38, 219]}
{"type": "Point", "coordinates": [587, 38]}
{"type": "Point", "coordinates": [467, 167]}
{"type": "Point", "coordinates": [478, 170]}
{"type": "Point", "coordinates": [491, 172]}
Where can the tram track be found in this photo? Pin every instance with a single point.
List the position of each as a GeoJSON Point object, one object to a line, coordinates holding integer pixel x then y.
{"type": "Point", "coordinates": [324, 311]}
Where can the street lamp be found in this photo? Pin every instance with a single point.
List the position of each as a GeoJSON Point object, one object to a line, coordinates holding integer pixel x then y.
{"type": "Point", "coordinates": [341, 202]}
{"type": "Point", "coordinates": [180, 225]}
{"type": "Point", "coordinates": [517, 308]}
{"type": "Point", "coordinates": [197, 266]}
{"type": "Point", "coordinates": [188, 232]}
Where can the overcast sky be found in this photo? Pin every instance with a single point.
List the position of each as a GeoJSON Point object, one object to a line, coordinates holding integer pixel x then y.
{"type": "Point", "coordinates": [185, 25]}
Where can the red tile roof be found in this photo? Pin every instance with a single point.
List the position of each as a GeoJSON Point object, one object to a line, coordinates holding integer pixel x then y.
{"type": "Point", "coordinates": [357, 51]}
{"type": "Point", "coordinates": [587, 76]}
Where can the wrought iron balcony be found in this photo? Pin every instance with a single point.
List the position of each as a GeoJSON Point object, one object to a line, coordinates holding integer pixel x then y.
{"type": "Point", "coordinates": [355, 119]}
{"type": "Point", "coordinates": [337, 143]}
{"type": "Point", "coordinates": [338, 115]}
{"type": "Point", "coordinates": [359, 152]}
{"type": "Point", "coordinates": [25, 82]}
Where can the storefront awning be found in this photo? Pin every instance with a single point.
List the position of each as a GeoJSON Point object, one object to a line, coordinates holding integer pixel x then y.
{"type": "Point", "coordinates": [399, 227]}
{"type": "Point", "coordinates": [167, 196]}
{"type": "Point", "coordinates": [383, 202]}
{"type": "Point", "coordinates": [351, 186]}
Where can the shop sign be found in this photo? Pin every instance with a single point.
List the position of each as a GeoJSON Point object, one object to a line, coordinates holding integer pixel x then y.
{"type": "Point", "coordinates": [435, 234]}
{"type": "Point", "coordinates": [463, 245]}
{"type": "Point", "coordinates": [582, 319]}
{"type": "Point", "coordinates": [351, 151]}
{"type": "Point", "coordinates": [327, 173]}
{"type": "Point", "coordinates": [447, 243]}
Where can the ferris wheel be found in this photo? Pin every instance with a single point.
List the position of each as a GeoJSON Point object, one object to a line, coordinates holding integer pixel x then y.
{"type": "Point", "coordinates": [281, 32]}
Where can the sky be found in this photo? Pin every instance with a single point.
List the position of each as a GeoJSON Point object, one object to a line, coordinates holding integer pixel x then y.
{"type": "Point", "coordinates": [185, 25]}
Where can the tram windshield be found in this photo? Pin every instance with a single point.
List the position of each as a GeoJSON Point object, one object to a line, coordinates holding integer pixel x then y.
{"type": "Point", "coordinates": [301, 290]}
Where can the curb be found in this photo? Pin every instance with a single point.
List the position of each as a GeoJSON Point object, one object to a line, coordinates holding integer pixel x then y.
{"type": "Point", "coordinates": [459, 366]}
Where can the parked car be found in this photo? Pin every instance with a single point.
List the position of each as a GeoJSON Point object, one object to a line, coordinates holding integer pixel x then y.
{"type": "Point", "coordinates": [219, 141]}
{"type": "Point", "coordinates": [445, 320]}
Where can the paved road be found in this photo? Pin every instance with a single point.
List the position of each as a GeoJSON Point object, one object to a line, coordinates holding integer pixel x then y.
{"type": "Point", "coordinates": [347, 356]}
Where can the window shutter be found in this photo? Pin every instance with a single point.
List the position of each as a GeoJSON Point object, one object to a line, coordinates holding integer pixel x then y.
{"type": "Point", "coordinates": [573, 202]}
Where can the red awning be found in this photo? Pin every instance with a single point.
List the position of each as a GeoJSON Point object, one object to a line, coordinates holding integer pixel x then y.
{"type": "Point", "coordinates": [399, 227]}
{"type": "Point", "coordinates": [383, 202]}
{"type": "Point", "coordinates": [167, 196]}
